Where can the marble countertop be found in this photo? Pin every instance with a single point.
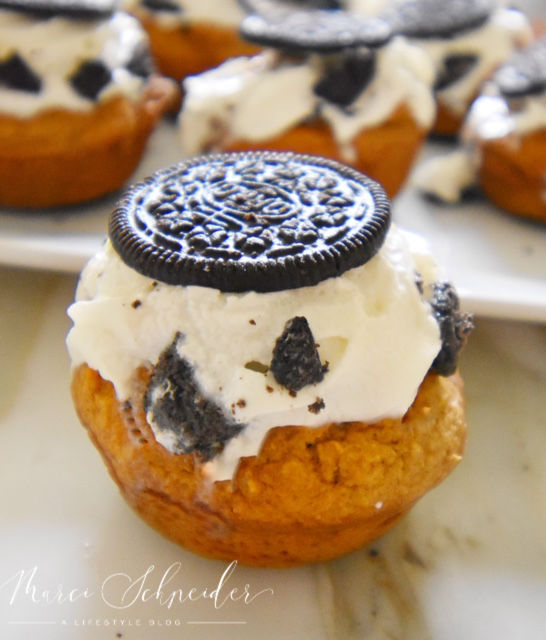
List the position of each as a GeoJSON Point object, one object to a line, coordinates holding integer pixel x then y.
{"type": "Point", "coordinates": [468, 562]}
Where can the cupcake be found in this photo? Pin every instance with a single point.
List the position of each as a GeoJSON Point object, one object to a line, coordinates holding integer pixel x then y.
{"type": "Point", "coordinates": [467, 40]}
{"type": "Point", "coordinates": [78, 101]}
{"type": "Point", "coordinates": [267, 367]}
{"type": "Point", "coordinates": [503, 142]}
{"type": "Point", "coordinates": [329, 83]}
{"type": "Point", "coordinates": [191, 36]}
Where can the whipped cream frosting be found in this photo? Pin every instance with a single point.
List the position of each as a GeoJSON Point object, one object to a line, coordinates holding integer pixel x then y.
{"type": "Point", "coordinates": [257, 98]}
{"type": "Point", "coordinates": [54, 48]}
{"type": "Point", "coordinates": [224, 13]}
{"type": "Point", "coordinates": [505, 31]}
{"type": "Point", "coordinates": [372, 325]}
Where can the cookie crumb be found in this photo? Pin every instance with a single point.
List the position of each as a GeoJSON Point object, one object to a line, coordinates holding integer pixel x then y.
{"type": "Point", "coordinates": [241, 403]}
{"type": "Point", "coordinates": [317, 406]}
{"type": "Point", "coordinates": [136, 304]}
{"type": "Point", "coordinates": [269, 388]}
{"type": "Point", "coordinates": [252, 322]}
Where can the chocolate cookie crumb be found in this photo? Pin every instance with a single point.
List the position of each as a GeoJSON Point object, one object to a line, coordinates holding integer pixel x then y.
{"type": "Point", "coordinates": [269, 388]}
{"type": "Point", "coordinates": [296, 362]}
{"type": "Point", "coordinates": [241, 403]}
{"type": "Point", "coordinates": [252, 322]}
{"type": "Point", "coordinates": [177, 407]}
{"type": "Point", "coordinates": [454, 324]}
{"type": "Point", "coordinates": [136, 304]}
{"type": "Point", "coordinates": [317, 406]}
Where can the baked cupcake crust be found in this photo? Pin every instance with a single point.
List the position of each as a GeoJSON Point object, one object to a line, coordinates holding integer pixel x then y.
{"type": "Point", "coordinates": [61, 157]}
{"type": "Point", "coordinates": [311, 494]}
{"type": "Point", "coordinates": [512, 174]}
{"type": "Point", "coordinates": [373, 147]}
{"type": "Point", "coordinates": [181, 51]}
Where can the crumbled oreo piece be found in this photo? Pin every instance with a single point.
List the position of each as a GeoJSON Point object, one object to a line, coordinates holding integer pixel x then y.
{"type": "Point", "coordinates": [437, 18]}
{"type": "Point", "coordinates": [343, 82]}
{"type": "Point", "coordinates": [454, 324]}
{"type": "Point", "coordinates": [313, 30]}
{"type": "Point", "coordinates": [179, 412]}
{"type": "Point", "coordinates": [167, 6]}
{"type": "Point", "coordinates": [16, 74]}
{"type": "Point", "coordinates": [296, 362]}
{"type": "Point", "coordinates": [525, 73]}
{"type": "Point", "coordinates": [77, 9]}
{"type": "Point", "coordinates": [251, 221]}
{"type": "Point", "coordinates": [141, 63]}
{"type": "Point", "coordinates": [454, 68]}
{"type": "Point", "coordinates": [90, 78]}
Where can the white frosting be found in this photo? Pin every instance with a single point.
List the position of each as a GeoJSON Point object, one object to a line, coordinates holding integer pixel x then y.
{"type": "Point", "coordinates": [447, 176]}
{"type": "Point", "coordinates": [372, 326]}
{"type": "Point", "coordinates": [257, 98]}
{"type": "Point", "coordinates": [224, 13]}
{"type": "Point", "coordinates": [54, 49]}
{"type": "Point", "coordinates": [504, 32]}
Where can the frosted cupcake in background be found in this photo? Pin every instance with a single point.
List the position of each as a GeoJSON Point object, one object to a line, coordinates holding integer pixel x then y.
{"type": "Point", "coordinates": [78, 100]}
{"type": "Point", "coordinates": [328, 83]}
{"type": "Point", "coordinates": [467, 40]}
{"type": "Point", "coordinates": [503, 141]}
{"type": "Point", "coordinates": [191, 36]}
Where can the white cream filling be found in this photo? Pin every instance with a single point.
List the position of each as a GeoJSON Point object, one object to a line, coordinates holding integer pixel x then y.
{"type": "Point", "coordinates": [373, 327]}
{"type": "Point", "coordinates": [223, 13]}
{"type": "Point", "coordinates": [55, 48]}
{"type": "Point", "coordinates": [257, 98]}
{"type": "Point", "coordinates": [493, 43]}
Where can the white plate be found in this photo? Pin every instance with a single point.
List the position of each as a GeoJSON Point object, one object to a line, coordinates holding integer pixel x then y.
{"type": "Point", "coordinates": [497, 261]}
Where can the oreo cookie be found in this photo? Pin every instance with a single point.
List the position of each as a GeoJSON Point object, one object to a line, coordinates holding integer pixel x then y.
{"type": "Point", "coordinates": [454, 67]}
{"type": "Point", "coordinates": [77, 9]}
{"type": "Point", "coordinates": [454, 324]}
{"type": "Point", "coordinates": [437, 18]}
{"type": "Point", "coordinates": [180, 411]}
{"type": "Point", "coordinates": [251, 221]}
{"type": "Point", "coordinates": [90, 78]}
{"type": "Point", "coordinates": [16, 74]}
{"type": "Point", "coordinates": [296, 362]}
{"type": "Point", "coordinates": [344, 81]}
{"type": "Point", "coordinates": [525, 73]}
{"type": "Point", "coordinates": [319, 31]}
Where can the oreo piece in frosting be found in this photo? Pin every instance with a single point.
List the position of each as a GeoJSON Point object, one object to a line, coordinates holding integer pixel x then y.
{"type": "Point", "coordinates": [525, 73]}
{"type": "Point", "coordinates": [181, 413]}
{"type": "Point", "coordinates": [437, 18]}
{"type": "Point", "coordinates": [250, 221]}
{"type": "Point", "coordinates": [319, 31]}
{"type": "Point", "coordinates": [77, 9]}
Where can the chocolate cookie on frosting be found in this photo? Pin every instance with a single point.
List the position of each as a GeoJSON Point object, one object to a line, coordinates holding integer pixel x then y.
{"type": "Point", "coordinates": [466, 39]}
{"type": "Point", "coordinates": [78, 100]}
{"type": "Point", "coordinates": [267, 366]}
{"type": "Point", "coordinates": [329, 83]}
{"type": "Point", "coordinates": [191, 36]}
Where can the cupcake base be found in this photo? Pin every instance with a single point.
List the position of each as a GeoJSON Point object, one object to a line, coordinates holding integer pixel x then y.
{"type": "Point", "coordinates": [513, 174]}
{"type": "Point", "coordinates": [189, 50]}
{"type": "Point", "coordinates": [311, 494]}
{"type": "Point", "coordinates": [62, 158]}
{"type": "Point", "coordinates": [385, 153]}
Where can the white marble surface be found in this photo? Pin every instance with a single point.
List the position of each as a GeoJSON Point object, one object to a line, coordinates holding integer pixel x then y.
{"type": "Point", "coordinates": [468, 562]}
